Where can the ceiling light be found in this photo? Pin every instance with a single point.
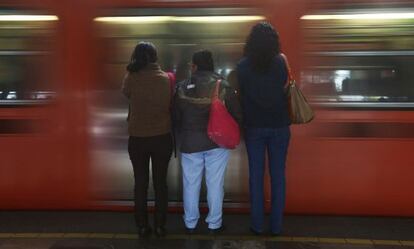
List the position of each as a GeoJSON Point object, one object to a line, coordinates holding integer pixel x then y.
{"type": "Point", "coordinates": [372, 16]}
{"type": "Point", "coordinates": [14, 18]}
{"type": "Point", "coordinates": [218, 19]}
{"type": "Point", "coordinates": [155, 19]}
{"type": "Point", "coordinates": [133, 19]}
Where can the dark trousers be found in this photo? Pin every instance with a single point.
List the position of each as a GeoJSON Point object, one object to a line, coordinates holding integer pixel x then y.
{"type": "Point", "coordinates": [141, 150]}
{"type": "Point", "coordinates": [275, 141]}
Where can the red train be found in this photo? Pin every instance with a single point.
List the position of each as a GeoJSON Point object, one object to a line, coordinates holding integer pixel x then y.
{"type": "Point", "coordinates": [62, 117]}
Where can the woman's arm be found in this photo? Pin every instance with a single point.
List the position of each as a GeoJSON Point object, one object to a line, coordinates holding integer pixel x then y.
{"type": "Point", "coordinates": [126, 88]}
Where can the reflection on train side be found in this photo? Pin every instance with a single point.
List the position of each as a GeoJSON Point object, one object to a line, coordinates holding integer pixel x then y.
{"type": "Point", "coordinates": [360, 56]}
{"type": "Point", "coordinates": [25, 43]}
{"type": "Point", "coordinates": [177, 34]}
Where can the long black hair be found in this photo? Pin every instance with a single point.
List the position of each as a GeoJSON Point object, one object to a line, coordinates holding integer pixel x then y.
{"type": "Point", "coordinates": [144, 53]}
{"type": "Point", "coordinates": [262, 46]}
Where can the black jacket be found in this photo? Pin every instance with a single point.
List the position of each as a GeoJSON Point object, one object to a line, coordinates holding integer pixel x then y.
{"type": "Point", "coordinates": [192, 108]}
{"type": "Point", "coordinates": [263, 98]}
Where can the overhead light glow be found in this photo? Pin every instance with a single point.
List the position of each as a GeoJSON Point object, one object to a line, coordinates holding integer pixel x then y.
{"type": "Point", "coordinates": [352, 97]}
{"type": "Point", "coordinates": [134, 19]}
{"type": "Point", "coordinates": [155, 19]}
{"type": "Point", "coordinates": [218, 19]}
{"type": "Point", "coordinates": [373, 16]}
{"type": "Point", "coordinates": [33, 18]}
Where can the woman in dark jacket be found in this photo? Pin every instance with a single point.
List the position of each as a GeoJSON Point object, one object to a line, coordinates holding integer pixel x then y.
{"type": "Point", "coordinates": [199, 154]}
{"type": "Point", "coordinates": [147, 88]}
{"type": "Point", "coordinates": [262, 76]}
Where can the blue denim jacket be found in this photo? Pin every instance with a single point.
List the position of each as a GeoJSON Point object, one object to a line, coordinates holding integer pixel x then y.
{"type": "Point", "coordinates": [263, 97]}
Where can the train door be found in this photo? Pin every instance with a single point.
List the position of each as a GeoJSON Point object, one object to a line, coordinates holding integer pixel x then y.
{"type": "Point", "coordinates": [177, 33]}
{"type": "Point", "coordinates": [27, 101]}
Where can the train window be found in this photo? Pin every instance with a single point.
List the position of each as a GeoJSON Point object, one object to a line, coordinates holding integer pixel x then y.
{"type": "Point", "coordinates": [25, 43]}
{"type": "Point", "coordinates": [359, 58]}
{"type": "Point", "coordinates": [177, 34]}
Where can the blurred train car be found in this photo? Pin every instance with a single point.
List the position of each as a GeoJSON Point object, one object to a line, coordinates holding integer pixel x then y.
{"type": "Point", "coordinates": [63, 133]}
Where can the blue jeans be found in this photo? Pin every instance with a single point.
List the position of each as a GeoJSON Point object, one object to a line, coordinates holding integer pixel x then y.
{"type": "Point", "coordinates": [275, 141]}
{"type": "Point", "coordinates": [214, 163]}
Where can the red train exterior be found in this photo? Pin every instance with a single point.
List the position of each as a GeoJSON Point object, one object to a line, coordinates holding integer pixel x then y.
{"type": "Point", "coordinates": [326, 175]}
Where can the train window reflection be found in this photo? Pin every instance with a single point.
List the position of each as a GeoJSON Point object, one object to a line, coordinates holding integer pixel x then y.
{"type": "Point", "coordinates": [25, 43]}
{"type": "Point", "coordinates": [359, 57]}
{"type": "Point", "coordinates": [354, 85]}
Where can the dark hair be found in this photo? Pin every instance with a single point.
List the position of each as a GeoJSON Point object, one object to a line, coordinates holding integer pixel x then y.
{"type": "Point", "coordinates": [203, 59]}
{"type": "Point", "coordinates": [262, 46]}
{"type": "Point", "coordinates": [144, 53]}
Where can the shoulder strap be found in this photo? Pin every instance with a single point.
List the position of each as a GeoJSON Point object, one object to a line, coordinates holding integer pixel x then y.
{"type": "Point", "coordinates": [217, 88]}
{"type": "Point", "coordinates": [289, 70]}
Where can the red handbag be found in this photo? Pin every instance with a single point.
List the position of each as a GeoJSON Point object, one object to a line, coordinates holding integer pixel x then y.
{"type": "Point", "coordinates": [222, 128]}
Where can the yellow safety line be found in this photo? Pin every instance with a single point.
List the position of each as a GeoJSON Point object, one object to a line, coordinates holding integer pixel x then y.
{"type": "Point", "coordinates": [332, 241]}
{"type": "Point", "coordinates": [305, 239]}
{"type": "Point", "coordinates": [126, 236]}
{"type": "Point", "coordinates": [26, 235]}
{"type": "Point", "coordinates": [102, 235]}
{"type": "Point", "coordinates": [6, 235]}
{"type": "Point", "coordinates": [76, 235]}
{"type": "Point", "coordinates": [51, 235]}
{"type": "Point", "coordinates": [359, 241]}
{"type": "Point", "coordinates": [407, 243]}
{"type": "Point", "coordinates": [387, 242]}
{"type": "Point", "coordinates": [350, 241]}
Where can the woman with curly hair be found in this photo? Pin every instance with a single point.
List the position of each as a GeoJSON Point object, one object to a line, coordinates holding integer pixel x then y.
{"type": "Point", "coordinates": [262, 76]}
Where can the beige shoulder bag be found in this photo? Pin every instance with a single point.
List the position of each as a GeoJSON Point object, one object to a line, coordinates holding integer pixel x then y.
{"type": "Point", "coordinates": [299, 110]}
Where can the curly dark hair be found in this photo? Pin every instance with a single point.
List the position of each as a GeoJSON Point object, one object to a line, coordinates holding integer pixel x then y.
{"type": "Point", "coordinates": [203, 59]}
{"type": "Point", "coordinates": [144, 53]}
{"type": "Point", "coordinates": [262, 46]}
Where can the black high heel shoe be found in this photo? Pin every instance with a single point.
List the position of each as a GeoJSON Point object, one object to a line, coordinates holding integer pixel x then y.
{"type": "Point", "coordinates": [257, 233]}
{"type": "Point", "coordinates": [160, 232]}
{"type": "Point", "coordinates": [144, 232]}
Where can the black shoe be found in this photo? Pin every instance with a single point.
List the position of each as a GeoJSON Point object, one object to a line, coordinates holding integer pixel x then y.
{"type": "Point", "coordinates": [275, 234]}
{"type": "Point", "coordinates": [144, 232]}
{"type": "Point", "coordinates": [190, 231]}
{"type": "Point", "coordinates": [216, 231]}
{"type": "Point", "coordinates": [257, 233]}
{"type": "Point", "coordinates": [160, 232]}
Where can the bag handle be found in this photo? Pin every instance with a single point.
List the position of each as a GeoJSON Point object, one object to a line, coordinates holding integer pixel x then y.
{"type": "Point", "coordinates": [216, 90]}
{"type": "Point", "coordinates": [171, 78]}
{"type": "Point", "coordinates": [290, 79]}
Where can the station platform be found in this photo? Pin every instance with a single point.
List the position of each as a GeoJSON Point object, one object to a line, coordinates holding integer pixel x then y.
{"type": "Point", "coordinates": [116, 230]}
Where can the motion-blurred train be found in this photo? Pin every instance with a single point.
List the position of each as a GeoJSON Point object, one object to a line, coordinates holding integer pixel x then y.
{"type": "Point", "coordinates": [63, 136]}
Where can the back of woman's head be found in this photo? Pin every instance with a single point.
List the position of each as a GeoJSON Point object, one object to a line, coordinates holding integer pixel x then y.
{"type": "Point", "coordinates": [143, 54]}
{"type": "Point", "coordinates": [262, 46]}
{"type": "Point", "coordinates": [203, 59]}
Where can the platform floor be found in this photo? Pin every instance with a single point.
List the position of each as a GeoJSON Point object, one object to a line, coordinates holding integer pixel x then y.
{"type": "Point", "coordinates": [116, 230]}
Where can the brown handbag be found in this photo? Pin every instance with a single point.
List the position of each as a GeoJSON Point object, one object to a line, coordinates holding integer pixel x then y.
{"type": "Point", "coordinates": [300, 111]}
